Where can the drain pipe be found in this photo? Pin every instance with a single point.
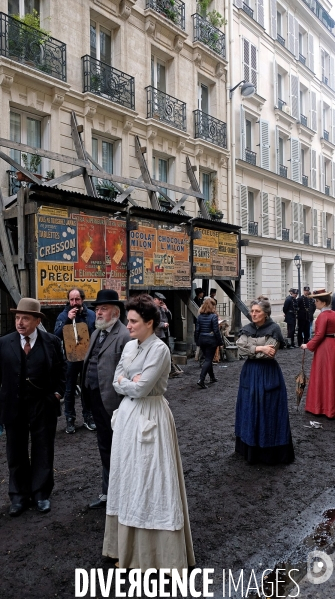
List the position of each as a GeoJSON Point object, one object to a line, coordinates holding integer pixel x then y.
{"type": "Point", "coordinates": [227, 17]}
{"type": "Point", "coordinates": [230, 103]}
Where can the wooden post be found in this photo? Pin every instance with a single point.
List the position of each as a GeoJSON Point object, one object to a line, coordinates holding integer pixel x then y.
{"type": "Point", "coordinates": [8, 259]}
{"type": "Point", "coordinates": [21, 242]}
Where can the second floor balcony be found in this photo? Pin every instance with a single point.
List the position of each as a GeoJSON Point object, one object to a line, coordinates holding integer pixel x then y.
{"type": "Point", "coordinates": [329, 243]}
{"type": "Point", "coordinates": [252, 228]}
{"type": "Point", "coordinates": [281, 104]}
{"type": "Point", "coordinates": [165, 108]}
{"type": "Point", "coordinates": [302, 58]}
{"type": "Point", "coordinates": [285, 234]}
{"type": "Point", "coordinates": [174, 10]}
{"type": "Point", "coordinates": [327, 190]}
{"type": "Point", "coordinates": [103, 80]}
{"type": "Point", "coordinates": [209, 128]}
{"type": "Point", "coordinates": [324, 79]}
{"type": "Point", "coordinates": [250, 156]}
{"type": "Point", "coordinates": [306, 238]}
{"type": "Point", "coordinates": [304, 180]}
{"type": "Point", "coordinates": [326, 135]}
{"type": "Point", "coordinates": [248, 10]}
{"type": "Point", "coordinates": [283, 171]}
{"type": "Point", "coordinates": [280, 39]}
{"type": "Point", "coordinates": [32, 47]}
{"type": "Point", "coordinates": [205, 32]}
{"type": "Point", "coordinates": [303, 120]}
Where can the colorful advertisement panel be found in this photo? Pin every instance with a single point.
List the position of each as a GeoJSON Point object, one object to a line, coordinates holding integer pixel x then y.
{"type": "Point", "coordinates": [215, 254]}
{"type": "Point", "coordinates": [159, 256]}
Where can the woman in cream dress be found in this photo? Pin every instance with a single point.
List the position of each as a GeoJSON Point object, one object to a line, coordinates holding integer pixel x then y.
{"type": "Point", "coordinates": [147, 524]}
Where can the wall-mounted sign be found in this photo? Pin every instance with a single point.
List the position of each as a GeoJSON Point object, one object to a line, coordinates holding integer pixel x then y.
{"type": "Point", "coordinates": [215, 254]}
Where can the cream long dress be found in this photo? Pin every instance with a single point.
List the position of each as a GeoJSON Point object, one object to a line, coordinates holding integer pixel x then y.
{"type": "Point", "coordinates": [147, 523]}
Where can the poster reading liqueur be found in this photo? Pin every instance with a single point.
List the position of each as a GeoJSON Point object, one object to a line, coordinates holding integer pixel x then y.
{"type": "Point", "coordinates": [159, 256]}
{"type": "Point", "coordinates": [215, 254]}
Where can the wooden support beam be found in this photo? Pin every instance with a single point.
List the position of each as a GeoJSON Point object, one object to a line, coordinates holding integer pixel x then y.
{"type": "Point", "coordinates": [116, 185]}
{"type": "Point", "coordinates": [13, 145]}
{"type": "Point", "coordinates": [29, 208]}
{"type": "Point", "coordinates": [80, 149]}
{"type": "Point", "coordinates": [195, 186]}
{"type": "Point", "coordinates": [21, 228]}
{"type": "Point", "coordinates": [229, 290]}
{"type": "Point", "coordinates": [66, 177]}
{"type": "Point", "coordinates": [8, 258]}
{"type": "Point", "coordinates": [146, 174]}
{"type": "Point", "coordinates": [12, 289]}
{"type": "Point", "coordinates": [20, 168]}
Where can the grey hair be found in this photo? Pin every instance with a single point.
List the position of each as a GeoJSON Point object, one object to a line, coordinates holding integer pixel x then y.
{"type": "Point", "coordinates": [263, 302]}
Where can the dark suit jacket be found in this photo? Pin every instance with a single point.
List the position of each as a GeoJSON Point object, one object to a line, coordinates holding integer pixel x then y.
{"type": "Point", "coordinates": [108, 360]}
{"type": "Point", "coordinates": [10, 372]}
{"type": "Point", "coordinates": [290, 309]}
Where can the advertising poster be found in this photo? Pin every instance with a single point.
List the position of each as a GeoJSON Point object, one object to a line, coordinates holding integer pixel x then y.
{"type": "Point", "coordinates": [116, 257]}
{"type": "Point", "coordinates": [55, 279]}
{"type": "Point", "coordinates": [215, 254]}
{"type": "Point", "coordinates": [56, 238]}
{"type": "Point", "coordinates": [91, 247]}
{"type": "Point", "coordinates": [159, 256]}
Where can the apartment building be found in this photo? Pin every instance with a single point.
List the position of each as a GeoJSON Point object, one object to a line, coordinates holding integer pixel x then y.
{"type": "Point", "coordinates": [284, 159]}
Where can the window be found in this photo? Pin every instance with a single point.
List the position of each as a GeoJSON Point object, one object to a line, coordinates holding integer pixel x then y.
{"type": "Point", "coordinates": [206, 186]}
{"type": "Point", "coordinates": [250, 62]}
{"type": "Point", "coordinates": [283, 278]}
{"type": "Point", "coordinates": [281, 150]}
{"type": "Point", "coordinates": [203, 100]}
{"type": "Point", "coordinates": [101, 43]}
{"type": "Point", "coordinates": [158, 74]}
{"type": "Point", "coordinates": [283, 215]}
{"type": "Point", "coordinates": [279, 23]}
{"type": "Point", "coordinates": [251, 278]}
{"type": "Point", "coordinates": [26, 129]}
{"type": "Point", "coordinates": [23, 7]}
{"type": "Point", "coordinates": [248, 138]}
{"type": "Point", "coordinates": [251, 206]}
{"type": "Point", "coordinates": [163, 171]}
{"type": "Point", "coordinates": [106, 153]}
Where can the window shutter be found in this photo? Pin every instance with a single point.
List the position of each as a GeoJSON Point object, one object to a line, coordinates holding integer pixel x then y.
{"type": "Point", "coordinates": [291, 33]}
{"type": "Point", "coordinates": [260, 12]}
{"type": "Point", "coordinates": [333, 126]}
{"type": "Point", "coordinates": [295, 160]}
{"type": "Point", "coordinates": [331, 72]}
{"type": "Point", "coordinates": [333, 181]}
{"type": "Point", "coordinates": [311, 52]}
{"type": "Point", "coordinates": [264, 144]}
{"type": "Point", "coordinates": [279, 220]}
{"type": "Point", "coordinates": [273, 9]}
{"type": "Point", "coordinates": [322, 173]}
{"type": "Point", "coordinates": [322, 64]}
{"type": "Point", "coordinates": [253, 65]}
{"type": "Point", "coordinates": [238, 3]}
{"type": "Point", "coordinates": [334, 231]}
{"type": "Point", "coordinates": [324, 229]}
{"type": "Point", "coordinates": [244, 208]}
{"type": "Point", "coordinates": [242, 128]}
{"type": "Point", "coordinates": [251, 278]}
{"type": "Point", "coordinates": [296, 39]}
{"type": "Point", "coordinates": [301, 222]}
{"type": "Point", "coordinates": [313, 169]}
{"type": "Point", "coordinates": [246, 60]}
{"type": "Point", "coordinates": [313, 110]}
{"type": "Point", "coordinates": [265, 214]}
{"type": "Point", "coordinates": [295, 222]}
{"type": "Point", "coordinates": [277, 152]}
{"type": "Point", "coordinates": [275, 83]}
{"type": "Point", "coordinates": [295, 96]}
{"type": "Point", "coordinates": [315, 226]}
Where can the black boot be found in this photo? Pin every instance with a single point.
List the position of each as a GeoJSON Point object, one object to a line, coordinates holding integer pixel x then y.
{"type": "Point", "coordinates": [202, 384]}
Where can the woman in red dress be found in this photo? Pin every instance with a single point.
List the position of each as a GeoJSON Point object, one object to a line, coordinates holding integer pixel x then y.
{"type": "Point", "coordinates": [320, 396]}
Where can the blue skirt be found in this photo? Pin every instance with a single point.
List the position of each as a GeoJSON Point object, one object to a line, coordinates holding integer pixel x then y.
{"type": "Point", "coordinates": [262, 426]}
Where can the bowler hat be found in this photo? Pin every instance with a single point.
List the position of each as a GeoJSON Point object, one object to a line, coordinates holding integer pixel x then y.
{"type": "Point", "coordinates": [108, 296]}
{"type": "Point", "coordinates": [28, 305]}
{"type": "Point", "coordinates": [320, 293]}
{"type": "Point", "coordinates": [160, 296]}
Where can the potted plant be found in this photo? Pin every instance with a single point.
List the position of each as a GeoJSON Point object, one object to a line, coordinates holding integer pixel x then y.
{"type": "Point", "coordinates": [171, 11]}
{"type": "Point", "coordinates": [31, 163]}
{"type": "Point", "coordinates": [106, 189]}
{"type": "Point", "coordinates": [26, 40]}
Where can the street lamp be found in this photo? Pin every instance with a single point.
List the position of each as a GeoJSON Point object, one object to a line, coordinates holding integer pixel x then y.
{"type": "Point", "coordinates": [247, 89]}
{"type": "Point", "coordinates": [297, 262]}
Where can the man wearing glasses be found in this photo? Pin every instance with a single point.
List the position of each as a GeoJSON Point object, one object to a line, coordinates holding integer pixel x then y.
{"type": "Point", "coordinates": [101, 360]}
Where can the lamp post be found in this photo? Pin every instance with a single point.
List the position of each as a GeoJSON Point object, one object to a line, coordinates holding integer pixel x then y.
{"type": "Point", "coordinates": [297, 262]}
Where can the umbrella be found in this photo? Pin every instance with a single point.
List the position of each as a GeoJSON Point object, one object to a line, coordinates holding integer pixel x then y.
{"type": "Point", "coordinates": [301, 381]}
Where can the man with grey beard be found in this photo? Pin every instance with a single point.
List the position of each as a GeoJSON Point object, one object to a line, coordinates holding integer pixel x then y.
{"type": "Point", "coordinates": [103, 355]}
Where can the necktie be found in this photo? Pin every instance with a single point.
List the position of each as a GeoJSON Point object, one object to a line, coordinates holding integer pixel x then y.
{"type": "Point", "coordinates": [102, 337]}
{"type": "Point", "coordinates": [27, 347]}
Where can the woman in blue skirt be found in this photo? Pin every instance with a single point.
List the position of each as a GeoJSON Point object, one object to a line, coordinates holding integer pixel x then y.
{"type": "Point", "coordinates": [262, 426]}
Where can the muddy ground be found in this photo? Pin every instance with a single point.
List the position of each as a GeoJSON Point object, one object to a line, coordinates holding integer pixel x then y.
{"type": "Point", "coordinates": [241, 515]}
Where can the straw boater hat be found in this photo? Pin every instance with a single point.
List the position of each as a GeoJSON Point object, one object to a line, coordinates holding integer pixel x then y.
{"type": "Point", "coordinates": [320, 293]}
{"type": "Point", "coordinates": [28, 305]}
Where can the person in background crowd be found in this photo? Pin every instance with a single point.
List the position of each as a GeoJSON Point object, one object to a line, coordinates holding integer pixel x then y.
{"type": "Point", "coordinates": [320, 394]}
{"type": "Point", "coordinates": [306, 309]}
{"type": "Point", "coordinates": [199, 296]}
{"type": "Point", "coordinates": [75, 309]}
{"type": "Point", "coordinates": [290, 310]}
{"type": "Point", "coordinates": [333, 302]}
{"type": "Point", "coordinates": [32, 382]}
{"type": "Point", "coordinates": [163, 331]}
{"type": "Point", "coordinates": [262, 426]}
{"type": "Point", "coordinates": [212, 294]}
{"type": "Point", "coordinates": [101, 360]}
{"type": "Point", "coordinates": [208, 337]}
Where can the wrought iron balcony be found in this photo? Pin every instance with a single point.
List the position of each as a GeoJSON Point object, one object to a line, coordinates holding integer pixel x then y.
{"type": "Point", "coordinates": [321, 14]}
{"type": "Point", "coordinates": [302, 58]}
{"type": "Point", "coordinates": [326, 135]}
{"type": "Point", "coordinates": [211, 129]}
{"type": "Point", "coordinates": [324, 80]}
{"type": "Point", "coordinates": [205, 32]}
{"type": "Point", "coordinates": [13, 183]}
{"type": "Point", "coordinates": [280, 39]}
{"type": "Point", "coordinates": [252, 228]}
{"type": "Point", "coordinates": [283, 171]}
{"type": "Point", "coordinates": [248, 10]}
{"type": "Point", "coordinates": [303, 120]}
{"type": "Point", "coordinates": [281, 104]}
{"type": "Point", "coordinates": [306, 238]}
{"type": "Point", "coordinates": [166, 108]}
{"type": "Point", "coordinates": [285, 234]}
{"type": "Point", "coordinates": [327, 190]}
{"type": "Point", "coordinates": [103, 80]}
{"type": "Point", "coordinates": [305, 180]}
{"type": "Point", "coordinates": [174, 10]}
{"type": "Point", "coordinates": [30, 46]}
{"type": "Point", "coordinates": [250, 156]}
{"type": "Point", "coordinates": [329, 243]}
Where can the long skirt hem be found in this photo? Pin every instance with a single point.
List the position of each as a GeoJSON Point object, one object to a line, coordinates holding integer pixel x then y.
{"type": "Point", "coordinates": [280, 454]}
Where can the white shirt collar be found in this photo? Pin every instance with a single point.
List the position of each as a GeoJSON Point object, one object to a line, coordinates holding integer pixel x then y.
{"type": "Point", "coordinates": [32, 336]}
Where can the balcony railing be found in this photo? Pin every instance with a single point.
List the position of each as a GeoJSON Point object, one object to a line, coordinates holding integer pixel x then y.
{"type": "Point", "coordinates": [306, 238]}
{"type": "Point", "coordinates": [321, 14]}
{"type": "Point", "coordinates": [327, 190]}
{"type": "Point", "coordinates": [326, 135]}
{"type": "Point", "coordinates": [250, 157]}
{"type": "Point", "coordinates": [283, 171]}
{"type": "Point", "coordinates": [281, 104]}
{"type": "Point", "coordinates": [103, 80]}
{"type": "Point", "coordinates": [13, 183]}
{"type": "Point", "coordinates": [324, 80]}
{"type": "Point", "coordinates": [280, 39]}
{"type": "Point", "coordinates": [252, 228]}
{"type": "Point", "coordinates": [305, 180]}
{"type": "Point", "coordinates": [166, 108]}
{"type": "Point", "coordinates": [248, 10]}
{"type": "Point", "coordinates": [205, 32]}
{"type": "Point", "coordinates": [302, 58]}
{"type": "Point", "coordinates": [30, 46]}
{"type": "Point", "coordinates": [174, 10]}
{"type": "Point", "coordinates": [209, 128]}
{"type": "Point", "coordinates": [329, 243]}
{"type": "Point", "coordinates": [285, 234]}
{"type": "Point", "coordinates": [303, 120]}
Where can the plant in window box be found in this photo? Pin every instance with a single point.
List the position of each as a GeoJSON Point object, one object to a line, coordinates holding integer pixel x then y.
{"type": "Point", "coordinates": [31, 162]}
{"type": "Point", "coordinates": [95, 83]}
{"type": "Point", "coordinates": [26, 40]}
{"type": "Point", "coordinates": [106, 190]}
{"type": "Point", "coordinates": [170, 10]}
{"type": "Point", "coordinates": [213, 16]}
{"type": "Point", "coordinates": [50, 174]}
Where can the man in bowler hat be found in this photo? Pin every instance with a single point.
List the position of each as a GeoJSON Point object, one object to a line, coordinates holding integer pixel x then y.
{"type": "Point", "coordinates": [103, 355]}
{"type": "Point", "coordinates": [32, 381]}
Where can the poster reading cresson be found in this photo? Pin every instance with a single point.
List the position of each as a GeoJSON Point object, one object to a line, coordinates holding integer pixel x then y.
{"type": "Point", "coordinates": [215, 254]}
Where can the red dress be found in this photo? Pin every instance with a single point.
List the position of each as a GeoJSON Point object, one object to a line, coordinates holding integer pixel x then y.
{"type": "Point", "coordinates": [321, 389]}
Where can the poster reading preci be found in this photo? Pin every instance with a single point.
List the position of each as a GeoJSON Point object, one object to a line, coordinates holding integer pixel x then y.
{"type": "Point", "coordinates": [79, 249]}
{"type": "Point", "coordinates": [215, 254]}
{"type": "Point", "coordinates": [159, 256]}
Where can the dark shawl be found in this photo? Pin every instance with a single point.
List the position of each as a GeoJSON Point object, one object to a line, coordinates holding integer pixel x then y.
{"type": "Point", "coordinates": [268, 329]}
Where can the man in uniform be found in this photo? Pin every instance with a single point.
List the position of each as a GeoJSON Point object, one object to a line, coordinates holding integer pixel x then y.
{"type": "Point", "coordinates": [199, 296]}
{"type": "Point", "coordinates": [306, 309]}
{"type": "Point", "coordinates": [32, 382]}
{"type": "Point", "coordinates": [290, 310]}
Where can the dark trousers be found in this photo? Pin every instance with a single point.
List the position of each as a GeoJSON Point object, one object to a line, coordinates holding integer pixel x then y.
{"type": "Point", "coordinates": [304, 329]}
{"type": "Point", "coordinates": [72, 371]}
{"type": "Point", "coordinates": [207, 367]}
{"type": "Point", "coordinates": [31, 478]}
{"type": "Point", "coordinates": [290, 332]}
{"type": "Point", "coordinates": [102, 421]}
{"type": "Point", "coordinates": [166, 341]}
